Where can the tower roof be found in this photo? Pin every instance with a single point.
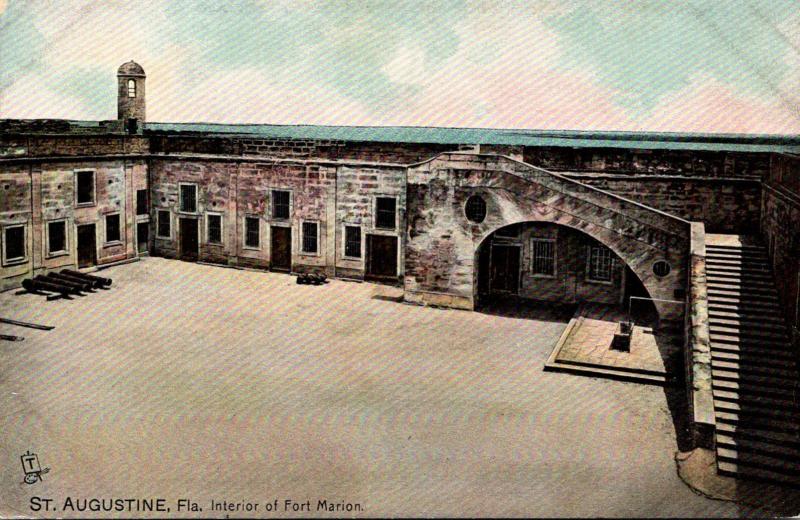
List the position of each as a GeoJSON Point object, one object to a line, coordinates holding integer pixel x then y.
{"type": "Point", "coordinates": [130, 69]}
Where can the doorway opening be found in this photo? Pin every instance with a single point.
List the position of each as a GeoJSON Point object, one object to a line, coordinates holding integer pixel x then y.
{"type": "Point", "coordinates": [87, 245]}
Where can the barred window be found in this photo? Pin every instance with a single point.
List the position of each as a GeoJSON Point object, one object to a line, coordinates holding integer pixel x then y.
{"type": "Point", "coordinates": [112, 228]}
{"type": "Point", "coordinates": [280, 204]}
{"type": "Point", "coordinates": [475, 209]}
{"type": "Point", "coordinates": [56, 237]}
{"type": "Point", "coordinates": [543, 256]}
{"type": "Point", "coordinates": [310, 237]}
{"type": "Point", "coordinates": [600, 262]}
{"type": "Point", "coordinates": [385, 212]}
{"type": "Point", "coordinates": [214, 229]}
{"type": "Point", "coordinates": [163, 229]}
{"type": "Point", "coordinates": [251, 232]}
{"type": "Point", "coordinates": [188, 198]}
{"type": "Point", "coordinates": [352, 241]}
{"type": "Point", "coordinates": [131, 88]}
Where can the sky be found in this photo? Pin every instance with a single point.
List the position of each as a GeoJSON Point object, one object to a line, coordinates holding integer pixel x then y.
{"type": "Point", "coordinates": [722, 66]}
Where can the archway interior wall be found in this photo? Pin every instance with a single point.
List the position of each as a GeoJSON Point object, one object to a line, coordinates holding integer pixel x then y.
{"type": "Point", "coordinates": [441, 247]}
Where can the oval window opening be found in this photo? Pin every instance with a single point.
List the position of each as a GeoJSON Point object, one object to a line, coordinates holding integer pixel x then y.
{"type": "Point", "coordinates": [475, 209]}
{"type": "Point", "coordinates": [661, 268]}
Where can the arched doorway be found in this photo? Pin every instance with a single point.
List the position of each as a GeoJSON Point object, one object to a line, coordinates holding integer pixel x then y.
{"type": "Point", "coordinates": [546, 262]}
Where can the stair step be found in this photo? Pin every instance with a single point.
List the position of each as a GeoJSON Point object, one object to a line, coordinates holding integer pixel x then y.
{"type": "Point", "coordinates": [747, 420]}
{"type": "Point", "coordinates": [742, 314]}
{"type": "Point", "coordinates": [741, 247]}
{"type": "Point", "coordinates": [749, 263]}
{"type": "Point", "coordinates": [777, 333]}
{"type": "Point", "coordinates": [735, 339]}
{"type": "Point", "coordinates": [761, 380]}
{"type": "Point", "coordinates": [753, 324]}
{"type": "Point", "coordinates": [751, 307]}
{"type": "Point", "coordinates": [719, 273]}
{"type": "Point", "coordinates": [745, 408]}
{"type": "Point", "coordinates": [774, 389]}
{"type": "Point", "coordinates": [743, 471]}
{"type": "Point", "coordinates": [773, 464]}
{"type": "Point", "coordinates": [758, 447]}
{"type": "Point", "coordinates": [788, 440]}
{"type": "Point", "coordinates": [761, 294]}
{"type": "Point", "coordinates": [715, 281]}
{"type": "Point", "coordinates": [753, 367]}
{"type": "Point", "coordinates": [716, 253]}
{"type": "Point", "coordinates": [779, 361]}
{"type": "Point", "coordinates": [738, 287]}
{"type": "Point", "coordinates": [756, 400]}
{"type": "Point", "coordinates": [725, 351]}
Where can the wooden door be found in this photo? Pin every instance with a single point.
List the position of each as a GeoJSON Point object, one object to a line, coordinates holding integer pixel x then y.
{"type": "Point", "coordinates": [281, 248]}
{"type": "Point", "coordinates": [505, 268]}
{"type": "Point", "coordinates": [189, 239]}
{"type": "Point", "coordinates": [382, 256]}
{"type": "Point", "coordinates": [87, 245]}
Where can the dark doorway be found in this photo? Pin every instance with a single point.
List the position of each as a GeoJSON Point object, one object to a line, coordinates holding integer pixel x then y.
{"type": "Point", "coordinates": [188, 239]}
{"type": "Point", "coordinates": [142, 236]}
{"type": "Point", "coordinates": [382, 256]}
{"type": "Point", "coordinates": [87, 247]}
{"type": "Point", "coordinates": [281, 248]}
{"type": "Point", "coordinates": [504, 268]}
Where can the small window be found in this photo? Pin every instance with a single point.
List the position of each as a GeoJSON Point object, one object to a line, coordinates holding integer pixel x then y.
{"type": "Point", "coordinates": [310, 239]}
{"type": "Point", "coordinates": [543, 257]}
{"type": "Point", "coordinates": [14, 244]}
{"type": "Point", "coordinates": [475, 209]}
{"type": "Point", "coordinates": [280, 204]}
{"type": "Point", "coordinates": [251, 232]}
{"type": "Point", "coordinates": [661, 268]}
{"type": "Point", "coordinates": [84, 191]}
{"type": "Point", "coordinates": [188, 198]}
{"type": "Point", "coordinates": [112, 228]}
{"type": "Point", "coordinates": [600, 262]}
{"type": "Point", "coordinates": [131, 88]}
{"type": "Point", "coordinates": [352, 241]}
{"type": "Point", "coordinates": [56, 237]}
{"type": "Point", "coordinates": [385, 212]}
{"type": "Point", "coordinates": [141, 202]}
{"type": "Point", "coordinates": [214, 229]}
{"type": "Point", "coordinates": [163, 229]}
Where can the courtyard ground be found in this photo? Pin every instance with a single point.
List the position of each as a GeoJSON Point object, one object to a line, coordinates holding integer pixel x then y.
{"type": "Point", "coordinates": [205, 383]}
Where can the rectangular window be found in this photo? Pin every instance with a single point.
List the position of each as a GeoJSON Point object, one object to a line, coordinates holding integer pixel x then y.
{"type": "Point", "coordinates": [214, 229]}
{"type": "Point", "coordinates": [251, 231]}
{"type": "Point", "coordinates": [543, 256]}
{"type": "Point", "coordinates": [310, 237]}
{"type": "Point", "coordinates": [141, 202]}
{"type": "Point", "coordinates": [112, 228]}
{"type": "Point", "coordinates": [84, 189]}
{"type": "Point", "coordinates": [14, 244]}
{"type": "Point", "coordinates": [56, 237]}
{"type": "Point", "coordinates": [352, 241]}
{"type": "Point", "coordinates": [188, 198]}
{"type": "Point", "coordinates": [164, 229]}
{"type": "Point", "coordinates": [280, 204]}
{"type": "Point", "coordinates": [600, 262]}
{"type": "Point", "coordinates": [385, 212]}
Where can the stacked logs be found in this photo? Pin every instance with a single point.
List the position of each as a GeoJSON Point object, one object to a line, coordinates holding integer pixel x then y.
{"type": "Point", "coordinates": [65, 284]}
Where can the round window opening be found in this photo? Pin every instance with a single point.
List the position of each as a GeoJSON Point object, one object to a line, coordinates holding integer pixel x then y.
{"type": "Point", "coordinates": [661, 268]}
{"type": "Point", "coordinates": [475, 209]}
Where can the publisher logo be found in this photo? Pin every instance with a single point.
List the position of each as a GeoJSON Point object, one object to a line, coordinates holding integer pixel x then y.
{"type": "Point", "coordinates": [33, 470]}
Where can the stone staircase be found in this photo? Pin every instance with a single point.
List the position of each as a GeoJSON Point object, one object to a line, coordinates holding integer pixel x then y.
{"type": "Point", "coordinates": [754, 372]}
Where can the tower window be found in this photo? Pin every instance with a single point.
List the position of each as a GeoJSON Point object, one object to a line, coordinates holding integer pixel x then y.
{"type": "Point", "coordinates": [163, 230]}
{"type": "Point", "coordinates": [214, 229]}
{"type": "Point", "coordinates": [251, 232]}
{"type": "Point", "coordinates": [112, 228]}
{"type": "Point", "coordinates": [543, 256]}
{"type": "Point", "coordinates": [131, 88]}
{"type": "Point", "coordinates": [188, 198]}
{"type": "Point", "coordinates": [141, 202]}
{"type": "Point", "coordinates": [281, 204]}
{"type": "Point", "coordinates": [56, 237]}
